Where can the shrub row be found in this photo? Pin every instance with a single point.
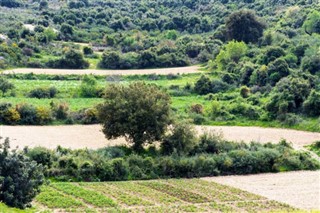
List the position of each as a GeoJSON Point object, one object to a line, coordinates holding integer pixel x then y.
{"type": "Point", "coordinates": [27, 114]}
{"type": "Point", "coordinates": [210, 158]}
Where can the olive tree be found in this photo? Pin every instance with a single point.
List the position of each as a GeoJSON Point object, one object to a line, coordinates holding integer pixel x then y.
{"type": "Point", "coordinates": [139, 112]}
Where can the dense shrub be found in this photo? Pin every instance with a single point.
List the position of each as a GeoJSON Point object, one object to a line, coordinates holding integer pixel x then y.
{"type": "Point", "coordinates": [244, 26]}
{"type": "Point", "coordinates": [20, 178]}
{"type": "Point", "coordinates": [71, 60]}
{"type": "Point", "coordinates": [60, 110]}
{"type": "Point", "coordinates": [8, 114]}
{"type": "Point", "coordinates": [211, 156]}
{"type": "Point", "coordinates": [205, 86]}
{"type": "Point", "coordinates": [28, 114]}
{"type": "Point", "coordinates": [5, 85]}
{"type": "Point", "coordinates": [312, 105]}
{"type": "Point", "coordinates": [43, 92]}
{"type": "Point", "coordinates": [182, 140]}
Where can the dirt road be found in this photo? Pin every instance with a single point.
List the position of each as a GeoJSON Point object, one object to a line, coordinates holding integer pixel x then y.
{"type": "Point", "coordinates": [298, 189]}
{"type": "Point", "coordinates": [163, 71]}
{"type": "Point", "coordinates": [90, 136]}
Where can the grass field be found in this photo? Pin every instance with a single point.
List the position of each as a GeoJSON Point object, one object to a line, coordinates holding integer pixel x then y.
{"type": "Point", "coordinates": [183, 195]}
{"type": "Point", "coordinates": [182, 100]}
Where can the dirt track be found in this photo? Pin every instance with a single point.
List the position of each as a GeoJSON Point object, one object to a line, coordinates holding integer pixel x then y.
{"type": "Point", "coordinates": [298, 189]}
{"type": "Point", "coordinates": [164, 71]}
{"type": "Point", "coordinates": [90, 136]}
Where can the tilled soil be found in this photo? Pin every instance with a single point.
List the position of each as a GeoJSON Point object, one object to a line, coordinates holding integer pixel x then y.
{"type": "Point", "coordinates": [161, 71]}
{"type": "Point", "coordinates": [298, 189]}
{"type": "Point", "coordinates": [90, 136]}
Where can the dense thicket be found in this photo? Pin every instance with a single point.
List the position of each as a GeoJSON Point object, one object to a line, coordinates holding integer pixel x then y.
{"type": "Point", "coordinates": [207, 156]}
{"type": "Point", "coordinates": [142, 34]}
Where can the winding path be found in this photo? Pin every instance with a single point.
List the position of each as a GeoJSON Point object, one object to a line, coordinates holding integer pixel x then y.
{"type": "Point", "coordinates": [160, 71]}
{"type": "Point", "coordinates": [90, 136]}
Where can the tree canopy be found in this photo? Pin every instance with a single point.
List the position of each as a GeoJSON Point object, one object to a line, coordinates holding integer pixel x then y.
{"type": "Point", "coordinates": [139, 112]}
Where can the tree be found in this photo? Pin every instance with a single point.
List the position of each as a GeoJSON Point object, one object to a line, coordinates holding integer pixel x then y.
{"type": "Point", "coordinates": [312, 105]}
{"type": "Point", "coordinates": [232, 52]}
{"type": "Point", "coordinates": [5, 85]}
{"type": "Point", "coordinates": [139, 112]}
{"type": "Point", "coordinates": [244, 26]}
{"type": "Point", "coordinates": [20, 178]}
{"type": "Point", "coordinates": [312, 23]}
{"type": "Point", "coordinates": [66, 32]}
{"type": "Point", "coordinates": [277, 70]}
{"type": "Point", "coordinates": [43, 5]}
{"type": "Point", "coordinates": [72, 60]}
{"type": "Point", "coordinates": [110, 60]}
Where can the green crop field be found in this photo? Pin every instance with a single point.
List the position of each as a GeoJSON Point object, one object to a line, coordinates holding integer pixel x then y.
{"type": "Point", "coordinates": [182, 195]}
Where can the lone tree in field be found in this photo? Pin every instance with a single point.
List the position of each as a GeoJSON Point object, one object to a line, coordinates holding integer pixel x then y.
{"type": "Point", "coordinates": [139, 112]}
{"type": "Point", "coordinates": [244, 26]}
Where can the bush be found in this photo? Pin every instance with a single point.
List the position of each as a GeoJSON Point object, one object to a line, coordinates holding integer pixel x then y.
{"type": "Point", "coordinates": [44, 116]}
{"type": "Point", "coordinates": [182, 140]}
{"type": "Point", "coordinates": [197, 108]}
{"type": "Point", "coordinates": [71, 60]}
{"type": "Point", "coordinates": [40, 155]}
{"type": "Point", "coordinates": [60, 111]}
{"type": "Point", "coordinates": [20, 178]}
{"type": "Point", "coordinates": [28, 114]}
{"type": "Point", "coordinates": [43, 92]}
{"type": "Point", "coordinates": [244, 92]}
{"type": "Point", "coordinates": [5, 85]}
{"type": "Point", "coordinates": [204, 86]}
{"type": "Point", "coordinates": [312, 105]}
{"type": "Point", "coordinates": [8, 114]}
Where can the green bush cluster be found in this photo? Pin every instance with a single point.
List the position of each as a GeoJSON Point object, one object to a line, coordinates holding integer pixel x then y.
{"type": "Point", "coordinates": [43, 92]}
{"type": "Point", "coordinates": [209, 155]}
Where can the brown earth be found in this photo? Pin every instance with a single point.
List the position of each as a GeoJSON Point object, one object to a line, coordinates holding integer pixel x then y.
{"type": "Point", "coordinates": [90, 136]}
{"type": "Point", "coordinates": [298, 189]}
{"type": "Point", "coordinates": [162, 71]}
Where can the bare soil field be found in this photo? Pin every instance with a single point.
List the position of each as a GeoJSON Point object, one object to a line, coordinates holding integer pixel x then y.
{"type": "Point", "coordinates": [299, 189]}
{"type": "Point", "coordinates": [90, 136]}
{"type": "Point", "coordinates": [162, 71]}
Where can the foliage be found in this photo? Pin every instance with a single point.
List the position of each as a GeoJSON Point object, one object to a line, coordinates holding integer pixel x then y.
{"type": "Point", "coordinates": [20, 185]}
{"type": "Point", "coordinates": [233, 52]}
{"type": "Point", "coordinates": [71, 60]}
{"type": "Point", "coordinates": [140, 112]}
{"type": "Point", "coordinates": [5, 85]}
{"type": "Point", "coordinates": [43, 92]}
{"type": "Point", "coordinates": [311, 105]}
{"type": "Point", "coordinates": [312, 23]}
{"type": "Point", "coordinates": [182, 140]}
{"type": "Point", "coordinates": [182, 156]}
{"type": "Point", "coordinates": [244, 26]}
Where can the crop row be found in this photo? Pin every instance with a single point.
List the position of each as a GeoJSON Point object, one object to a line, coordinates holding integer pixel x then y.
{"type": "Point", "coordinates": [176, 192]}
{"type": "Point", "coordinates": [119, 195]}
{"type": "Point", "coordinates": [88, 196]}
